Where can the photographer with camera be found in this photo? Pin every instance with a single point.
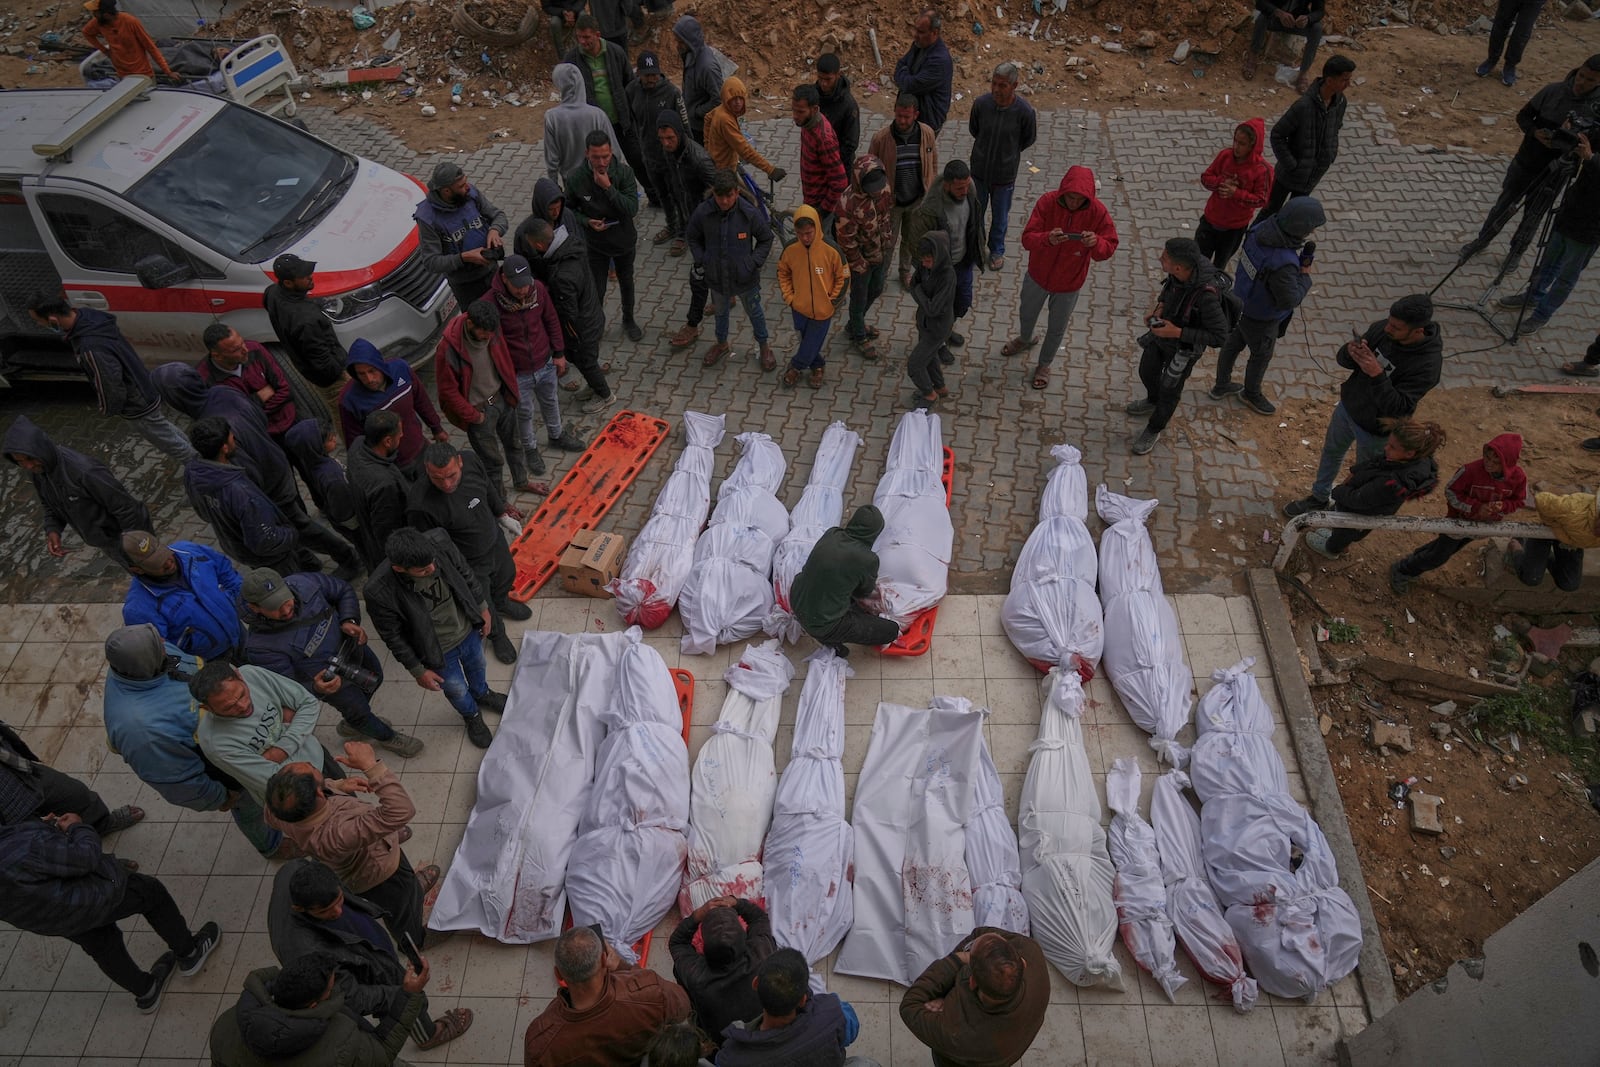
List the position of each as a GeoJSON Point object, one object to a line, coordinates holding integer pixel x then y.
{"type": "Point", "coordinates": [1392, 366]}
{"type": "Point", "coordinates": [1187, 317]}
{"type": "Point", "coordinates": [1550, 123]}
{"type": "Point", "coordinates": [307, 627]}
{"type": "Point", "coordinates": [1574, 235]}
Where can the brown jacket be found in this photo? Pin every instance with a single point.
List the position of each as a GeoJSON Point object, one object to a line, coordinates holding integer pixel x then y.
{"type": "Point", "coordinates": [361, 842]}
{"type": "Point", "coordinates": [966, 1033]}
{"type": "Point", "coordinates": [883, 147]}
{"type": "Point", "coordinates": [616, 1032]}
{"type": "Point", "coordinates": [724, 139]}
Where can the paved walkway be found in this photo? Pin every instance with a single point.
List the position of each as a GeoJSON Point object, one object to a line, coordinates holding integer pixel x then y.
{"type": "Point", "coordinates": [57, 1009]}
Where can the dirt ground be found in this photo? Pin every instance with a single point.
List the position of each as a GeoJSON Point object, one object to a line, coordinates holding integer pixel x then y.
{"type": "Point", "coordinates": [1421, 78]}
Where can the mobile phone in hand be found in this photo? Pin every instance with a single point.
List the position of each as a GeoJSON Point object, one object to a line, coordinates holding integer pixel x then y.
{"type": "Point", "coordinates": [413, 953]}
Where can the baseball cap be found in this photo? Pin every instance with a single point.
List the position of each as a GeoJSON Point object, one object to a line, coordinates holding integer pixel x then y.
{"type": "Point", "coordinates": [145, 551]}
{"type": "Point", "coordinates": [649, 63]}
{"type": "Point", "coordinates": [517, 271]}
{"type": "Point", "coordinates": [266, 589]}
{"type": "Point", "coordinates": [446, 173]}
{"type": "Point", "coordinates": [289, 266]}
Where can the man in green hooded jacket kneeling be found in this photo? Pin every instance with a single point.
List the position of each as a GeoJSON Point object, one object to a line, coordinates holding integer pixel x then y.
{"type": "Point", "coordinates": [840, 573]}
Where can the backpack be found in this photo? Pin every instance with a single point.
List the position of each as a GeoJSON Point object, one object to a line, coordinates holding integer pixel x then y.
{"type": "Point", "coordinates": [1222, 286]}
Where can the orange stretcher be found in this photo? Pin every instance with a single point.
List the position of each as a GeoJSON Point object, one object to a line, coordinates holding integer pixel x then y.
{"type": "Point", "coordinates": [683, 682]}
{"type": "Point", "coordinates": [918, 637]}
{"type": "Point", "coordinates": [583, 496]}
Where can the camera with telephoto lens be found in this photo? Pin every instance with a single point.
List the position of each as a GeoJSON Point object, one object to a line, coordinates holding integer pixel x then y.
{"type": "Point", "coordinates": [1565, 138]}
{"type": "Point", "coordinates": [346, 664]}
{"type": "Point", "coordinates": [493, 255]}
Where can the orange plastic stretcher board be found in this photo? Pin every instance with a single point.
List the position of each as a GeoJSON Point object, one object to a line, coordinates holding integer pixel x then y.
{"type": "Point", "coordinates": [918, 637]}
{"type": "Point", "coordinates": [583, 496]}
{"type": "Point", "coordinates": [683, 682]}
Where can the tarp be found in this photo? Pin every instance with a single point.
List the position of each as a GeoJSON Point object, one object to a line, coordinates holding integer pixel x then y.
{"type": "Point", "coordinates": [660, 557]}
{"type": "Point", "coordinates": [508, 877]}
{"type": "Point", "coordinates": [1266, 857]}
{"type": "Point", "coordinates": [733, 782]}
{"type": "Point", "coordinates": [728, 594]}
{"type": "Point", "coordinates": [808, 864]}
{"type": "Point", "coordinates": [913, 892]}
{"type": "Point", "coordinates": [993, 861]}
{"type": "Point", "coordinates": [918, 538]}
{"type": "Point", "coordinates": [1197, 917]}
{"type": "Point", "coordinates": [1144, 655]}
{"type": "Point", "coordinates": [1052, 614]}
{"type": "Point", "coordinates": [821, 507]}
{"type": "Point", "coordinates": [1140, 894]}
{"type": "Point", "coordinates": [627, 863]}
{"type": "Point", "coordinates": [1066, 869]}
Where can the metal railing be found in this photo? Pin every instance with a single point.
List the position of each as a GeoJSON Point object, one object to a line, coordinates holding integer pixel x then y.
{"type": "Point", "coordinates": [1400, 524]}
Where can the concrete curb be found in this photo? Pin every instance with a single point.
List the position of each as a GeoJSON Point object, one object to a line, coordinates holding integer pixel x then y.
{"type": "Point", "coordinates": [1377, 981]}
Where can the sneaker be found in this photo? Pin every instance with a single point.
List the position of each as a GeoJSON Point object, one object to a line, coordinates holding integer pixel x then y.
{"type": "Point", "coordinates": [684, 338]}
{"type": "Point", "coordinates": [511, 609]}
{"type": "Point", "coordinates": [1140, 407]}
{"type": "Point", "coordinates": [205, 939]}
{"type": "Point", "coordinates": [478, 731]}
{"type": "Point", "coordinates": [160, 975]}
{"type": "Point", "coordinates": [1515, 300]}
{"type": "Point", "coordinates": [956, 340]}
{"type": "Point", "coordinates": [1258, 403]}
{"type": "Point", "coordinates": [403, 745]}
{"type": "Point", "coordinates": [1304, 506]}
{"type": "Point", "coordinates": [1579, 369]}
{"type": "Point", "coordinates": [842, 651]}
{"type": "Point", "coordinates": [1399, 581]}
{"type": "Point", "coordinates": [1223, 390]}
{"type": "Point", "coordinates": [535, 462]}
{"type": "Point", "coordinates": [597, 404]}
{"type": "Point", "coordinates": [1533, 324]}
{"type": "Point", "coordinates": [489, 700]}
{"type": "Point", "coordinates": [632, 329]}
{"type": "Point", "coordinates": [1508, 77]}
{"type": "Point", "coordinates": [1145, 442]}
{"type": "Point", "coordinates": [1484, 69]}
{"type": "Point", "coordinates": [568, 441]}
{"type": "Point", "coordinates": [1317, 541]}
{"type": "Point", "coordinates": [504, 650]}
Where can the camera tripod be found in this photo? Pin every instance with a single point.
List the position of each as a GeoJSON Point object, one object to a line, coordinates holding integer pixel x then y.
{"type": "Point", "coordinates": [1539, 203]}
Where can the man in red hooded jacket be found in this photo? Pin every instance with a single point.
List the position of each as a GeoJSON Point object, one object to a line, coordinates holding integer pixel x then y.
{"type": "Point", "coordinates": [478, 392]}
{"type": "Point", "coordinates": [1068, 229]}
{"type": "Point", "coordinates": [1485, 490]}
{"type": "Point", "coordinates": [1240, 181]}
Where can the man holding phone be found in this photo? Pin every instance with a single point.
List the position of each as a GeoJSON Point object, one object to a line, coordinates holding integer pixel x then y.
{"type": "Point", "coordinates": [1392, 366]}
{"type": "Point", "coordinates": [605, 194]}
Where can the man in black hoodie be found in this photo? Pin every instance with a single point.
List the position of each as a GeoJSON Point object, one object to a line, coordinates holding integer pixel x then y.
{"type": "Point", "coordinates": [75, 491]}
{"type": "Point", "coordinates": [248, 525]}
{"type": "Point", "coordinates": [649, 94]}
{"type": "Point", "coordinates": [381, 484]}
{"type": "Point", "coordinates": [1187, 318]}
{"type": "Point", "coordinates": [842, 571]}
{"type": "Point", "coordinates": [122, 386]}
{"type": "Point", "coordinates": [1392, 367]}
{"type": "Point", "coordinates": [306, 334]}
{"type": "Point", "coordinates": [839, 107]}
{"type": "Point", "coordinates": [561, 262]}
{"type": "Point", "coordinates": [702, 73]}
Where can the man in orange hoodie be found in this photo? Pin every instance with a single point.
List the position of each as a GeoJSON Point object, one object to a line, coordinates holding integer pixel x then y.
{"type": "Point", "coordinates": [1068, 230]}
{"type": "Point", "coordinates": [124, 40]}
{"type": "Point", "coordinates": [1240, 181]}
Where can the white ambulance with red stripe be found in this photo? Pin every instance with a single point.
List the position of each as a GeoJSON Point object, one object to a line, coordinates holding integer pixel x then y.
{"type": "Point", "coordinates": [167, 207]}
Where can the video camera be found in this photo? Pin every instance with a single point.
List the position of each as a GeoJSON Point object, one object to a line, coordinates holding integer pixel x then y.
{"type": "Point", "coordinates": [1565, 138]}
{"type": "Point", "coordinates": [346, 664]}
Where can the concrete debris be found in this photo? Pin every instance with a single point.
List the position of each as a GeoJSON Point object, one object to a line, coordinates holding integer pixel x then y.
{"type": "Point", "coordinates": [1111, 46]}
{"type": "Point", "coordinates": [1181, 53]}
{"type": "Point", "coordinates": [1425, 812]}
{"type": "Point", "coordinates": [1445, 708]}
{"type": "Point", "coordinates": [1440, 730]}
{"type": "Point", "coordinates": [1387, 735]}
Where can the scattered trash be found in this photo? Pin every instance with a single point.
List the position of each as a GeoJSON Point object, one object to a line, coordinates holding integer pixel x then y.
{"type": "Point", "coordinates": [1399, 791]}
{"type": "Point", "coordinates": [455, 93]}
{"type": "Point", "coordinates": [1440, 730]}
{"type": "Point", "coordinates": [1181, 53]}
{"type": "Point", "coordinates": [1447, 853]}
{"type": "Point", "coordinates": [362, 19]}
{"type": "Point", "coordinates": [428, 111]}
{"type": "Point", "coordinates": [977, 29]}
{"type": "Point", "coordinates": [1516, 781]}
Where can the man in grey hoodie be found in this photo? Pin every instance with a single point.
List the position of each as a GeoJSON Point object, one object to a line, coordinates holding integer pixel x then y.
{"type": "Point", "coordinates": [702, 74]}
{"type": "Point", "coordinates": [567, 125]}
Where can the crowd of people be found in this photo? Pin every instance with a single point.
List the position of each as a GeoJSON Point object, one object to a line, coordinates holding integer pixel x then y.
{"type": "Point", "coordinates": [216, 680]}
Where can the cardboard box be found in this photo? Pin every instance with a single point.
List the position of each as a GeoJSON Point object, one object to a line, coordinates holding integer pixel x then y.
{"type": "Point", "coordinates": [591, 560]}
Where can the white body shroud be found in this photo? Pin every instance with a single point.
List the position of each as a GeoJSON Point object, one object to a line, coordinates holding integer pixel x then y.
{"type": "Point", "coordinates": [1066, 869]}
{"type": "Point", "coordinates": [917, 540]}
{"type": "Point", "coordinates": [728, 594]}
{"type": "Point", "coordinates": [809, 858]}
{"type": "Point", "coordinates": [1140, 894]}
{"type": "Point", "coordinates": [1298, 929]}
{"type": "Point", "coordinates": [659, 560]}
{"type": "Point", "coordinates": [993, 860]}
{"type": "Point", "coordinates": [733, 782]}
{"type": "Point", "coordinates": [1052, 614]}
{"type": "Point", "coordinates": [821, 507]}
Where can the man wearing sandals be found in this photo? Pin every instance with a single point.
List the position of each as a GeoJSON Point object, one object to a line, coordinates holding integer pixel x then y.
{"type": "Point", "coordinates": [1068, 230]}
{"type": "Point", "coordinates": [729, 241]}
{"type": "Point", "coordinates": [359, 841]}
{"type": "Point", "coordinates": [311, 912]}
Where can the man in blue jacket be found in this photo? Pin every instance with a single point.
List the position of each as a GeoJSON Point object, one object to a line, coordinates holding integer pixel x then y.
{"type": "Point", "coordinates": [187, 591]}
{"type": "Point", "coordinates": [925, 70]}
{"type": "Point", "coordinates": [459, 228]}
{"type": "Point", "coordinates": [150, 722]}
{"type": "Point", "coordinates": [795, 1027]}
{"type": "Point", "coordinates": [296, 626]}
{"type": "Point", "coordinates": [249, 526]}
{"type": "Point", "coordinates": [729, 241]}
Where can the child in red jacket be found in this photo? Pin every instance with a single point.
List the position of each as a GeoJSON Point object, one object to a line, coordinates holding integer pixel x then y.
{"type": "Point", "coordinates": [1239, 180]}
{"type": "Point", "coordinates": [1485, 490]}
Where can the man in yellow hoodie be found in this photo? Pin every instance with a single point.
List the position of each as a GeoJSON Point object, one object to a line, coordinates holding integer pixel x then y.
{"type": "Point", "coordinates": [726, 141]}
{"type": "Point", "coordinates": [1574, 518]}
{"type": "Point", "coordinates": [812, 275]}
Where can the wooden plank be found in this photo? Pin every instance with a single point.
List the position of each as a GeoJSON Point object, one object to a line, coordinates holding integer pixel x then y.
{"type": "Point", "coordinates": [1389, 670]}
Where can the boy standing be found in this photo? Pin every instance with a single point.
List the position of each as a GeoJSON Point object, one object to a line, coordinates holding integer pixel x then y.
{"type": "Point", "coordinates": [933, 287]}
{"type": "Point", "coordinates": [812, 276]}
